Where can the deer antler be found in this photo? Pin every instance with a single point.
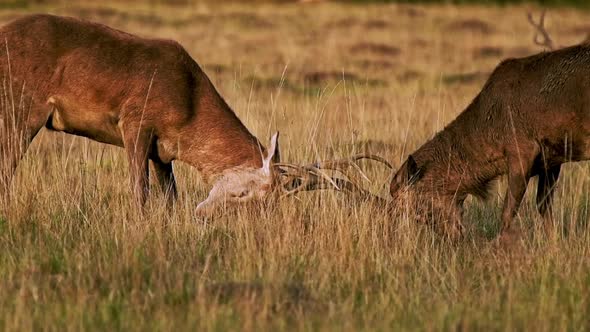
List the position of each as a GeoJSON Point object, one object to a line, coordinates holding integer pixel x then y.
{"type": "Point", "coordinates": [306, 173]}
{"type": "Point", "coordinates": [297, 178]}
{"type": "Point", "coordinates": [542, 37]}
{"type": "Point", "coordinates": [342, 165]}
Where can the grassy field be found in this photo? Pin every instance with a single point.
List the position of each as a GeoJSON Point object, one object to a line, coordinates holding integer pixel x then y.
{"type": "Point", "coordinates": [335, 79]}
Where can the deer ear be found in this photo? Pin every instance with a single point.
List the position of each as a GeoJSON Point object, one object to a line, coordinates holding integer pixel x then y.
{"type": "Point", "coordinates": [412, 170]}
{"type": "Point", "coordinates": [274, 155]}
{"type": "Point", "coordinates": [408, 173]}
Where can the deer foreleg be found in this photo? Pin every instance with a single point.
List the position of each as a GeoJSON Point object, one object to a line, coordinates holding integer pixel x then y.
{"type": "Point", "coordinates": [165, 176]}
{"type": "Point", "coordinates": [16, 134]}
{"type": "Point", "coordinates": [519, 172]}
{"type": "Point", "coordinates": [137, 144]}
{"type": "Point", "coordinates": [545, 190]}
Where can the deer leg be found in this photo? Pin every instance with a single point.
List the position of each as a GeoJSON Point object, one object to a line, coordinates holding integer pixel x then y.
{"type": "Point", "coordinates": [137, 143]}
{"type": "Point", "coordinates": [519, 173]}
{"type": "Point", "coordinates": [455, 228]}
{"type": "Point", "coordinates": [166, 180]}
{"type": "Point", "coordinates": [545, 190]}
{"type": "Point", "coordinates": [15, 138]}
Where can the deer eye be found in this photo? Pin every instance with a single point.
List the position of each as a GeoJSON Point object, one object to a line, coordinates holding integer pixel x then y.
{"type": "Point", "coordinates": [240, 194]}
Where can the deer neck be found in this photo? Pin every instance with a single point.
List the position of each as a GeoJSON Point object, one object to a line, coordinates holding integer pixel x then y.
{"type": "Point", "coordinates": [215, 140]}
{"type": "Point", "coordinates": [457, 161]}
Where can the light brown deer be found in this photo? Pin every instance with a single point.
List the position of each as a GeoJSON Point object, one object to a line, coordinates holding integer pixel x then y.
{"type": "Point", "coordinates": [531, 116]}
{"type": "Point", "coordinates": [145, 95]}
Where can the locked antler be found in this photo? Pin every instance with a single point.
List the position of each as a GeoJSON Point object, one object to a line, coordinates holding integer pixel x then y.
{"type": "Point", "coordinates": [297, 178]}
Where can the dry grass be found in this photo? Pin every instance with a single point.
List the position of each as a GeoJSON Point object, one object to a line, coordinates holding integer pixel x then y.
{"type": "Point", "coordinates": [334, 79]}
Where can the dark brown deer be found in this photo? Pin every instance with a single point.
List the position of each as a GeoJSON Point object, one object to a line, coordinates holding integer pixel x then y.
{"type": "Point", "coordinates": [145, 95]}
{"type": "Point", "coordinates": [531, 116]}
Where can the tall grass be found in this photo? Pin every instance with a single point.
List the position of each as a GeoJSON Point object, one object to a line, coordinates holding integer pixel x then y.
{"type": "Point", "coordinates": [76, 255]}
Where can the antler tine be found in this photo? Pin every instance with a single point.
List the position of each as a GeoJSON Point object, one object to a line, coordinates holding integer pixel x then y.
{"type": "Point", "coordinates": [319, 172]}
{"type": "Point", "coordinates": [373, 157]}
{"type": "Point", "coordinates": [309, 182]}
{"type": "Point", "coordinates": [342, 164]}
{"type": "Point", "coordinates": [309, 175]}
{"type": "Point", "coordinates": [319, 180]}
{"type": "Point", "coordinates": [328, 163]}
{"type": "Point", "coordinates": [540, 31]}
{"type": "Point", "coordinates": [344, 185]}
{"type": "Point", "coordinates": [305, 173]}
{"type": "Point", "coordinates": [280, 166]}
{"type": "Point", "coordinates": [291, 172]}
{"type": "Point", "coordinates": [312, 177]}
{"type": "Point", "coordinates": [297, 189]}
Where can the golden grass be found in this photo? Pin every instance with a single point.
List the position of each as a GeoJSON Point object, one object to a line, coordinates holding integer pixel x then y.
{"type": "Point", "coordinates": [334, 79]}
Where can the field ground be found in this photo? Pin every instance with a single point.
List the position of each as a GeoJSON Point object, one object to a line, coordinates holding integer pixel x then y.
{"type": "Point", "coordinates": [335, 79]}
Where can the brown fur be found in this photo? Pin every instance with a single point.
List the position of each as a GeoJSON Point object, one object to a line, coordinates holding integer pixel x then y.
{"type": "Point", "coordinates": [145, 95]}
{"type": "Point", "coordinates": [532, 115]}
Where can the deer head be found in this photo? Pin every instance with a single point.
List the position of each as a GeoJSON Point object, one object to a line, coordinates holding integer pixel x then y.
{"type": "Point", "coordinates": [244, 184]}
{"type": "Point", "coordinates": [407, 175]}
{"type": "Point", "coordinates": [256, 184]}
